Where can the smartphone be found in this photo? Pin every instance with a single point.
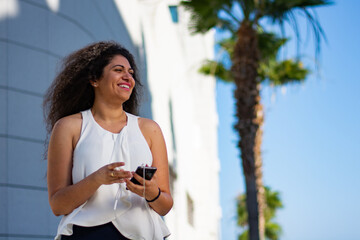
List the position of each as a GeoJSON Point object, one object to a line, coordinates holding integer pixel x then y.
{"type": "Point", "coordinates": [149, 173]}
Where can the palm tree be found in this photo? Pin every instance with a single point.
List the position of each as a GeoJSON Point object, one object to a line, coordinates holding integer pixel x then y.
{"type": "Point", "coordinates": [253, 52]}
{"type": "Point", "coordinates": [273, 203]}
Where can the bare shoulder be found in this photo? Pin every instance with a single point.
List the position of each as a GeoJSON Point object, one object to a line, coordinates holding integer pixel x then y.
{"type": "Point", "coordinates": [68, 129]}
{"type": "Point", "coordinates": [151, 131]}
{"type": "Point", "coordinates": [69, 123]}
{"type": "Point", "coordinates": [146, 124]}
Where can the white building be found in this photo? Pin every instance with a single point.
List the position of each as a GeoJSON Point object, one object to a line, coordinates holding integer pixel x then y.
{"type": "Point", "coordinates": [36, 34]}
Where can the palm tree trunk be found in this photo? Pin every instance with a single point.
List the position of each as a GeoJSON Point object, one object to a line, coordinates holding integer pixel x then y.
{"type": "Point", "coordinates": [250, 119]}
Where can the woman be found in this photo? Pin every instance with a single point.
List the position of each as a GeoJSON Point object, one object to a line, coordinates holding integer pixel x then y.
{"type": "Point", "coordinates": [95, 146]}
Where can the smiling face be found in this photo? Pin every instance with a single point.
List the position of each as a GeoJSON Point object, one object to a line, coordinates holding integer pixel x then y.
{"type": "Point", "coordinates": [117, 81]}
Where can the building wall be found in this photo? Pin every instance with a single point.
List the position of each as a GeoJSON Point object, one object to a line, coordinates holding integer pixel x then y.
{"type": "Point", "coordinates": [195, 121]}
{"type": "Point", "coordinates": [36, 34]}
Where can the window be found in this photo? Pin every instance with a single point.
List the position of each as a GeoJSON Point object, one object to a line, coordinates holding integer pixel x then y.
{"type": "Point", "coordinates": [173, 137]}
{"type": "Point", "coordinates": [190, 210]}
{"type": "Point", "coordinates": [172, 166]}
{"type": "Point", "coordinates": [174, 13]}
{"type": "Point", "coordinates": [172, 179]}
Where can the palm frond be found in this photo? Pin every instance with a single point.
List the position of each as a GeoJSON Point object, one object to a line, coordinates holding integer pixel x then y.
{"type": "Point", "coordinates": [205, 14]}
{"type": "Point", "coordinates": [278, 9]}
{"type": "Point", "coordinates": [282, 11]}
{"type": "Point", "coordinates": [244, 235]}
{"type": "Point", "coordinates": [228, 44]}
{"type": "Point", "coordinates": [241, 211]}
{"type": "Point", "coordinates": [226, 25]}
{"type": "Point", "coordinates": [269, 45]}
{"type": "Point", "coordinates": [273, 203]}
{"type": "Point", "coordinates": [216, 69]}
{"type": "Point", "coordinates": [272, 231]}
{"type": "Point", "coordinates": [283, 72]}
{"type": "Point", "coordinates": [248, 9]}
{"type": "Point", "coordinates": [317, 29]}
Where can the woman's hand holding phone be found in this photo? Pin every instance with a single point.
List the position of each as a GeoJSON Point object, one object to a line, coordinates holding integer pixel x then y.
{"type": "Point", "coordinates": [138, 184]}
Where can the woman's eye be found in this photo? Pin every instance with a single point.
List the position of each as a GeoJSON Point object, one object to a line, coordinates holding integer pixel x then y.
{"type": "Point", "coordinates": [118, 70]}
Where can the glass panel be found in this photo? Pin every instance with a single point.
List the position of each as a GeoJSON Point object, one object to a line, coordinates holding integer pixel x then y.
{"type": "Point", "coordinates": [174, 13]}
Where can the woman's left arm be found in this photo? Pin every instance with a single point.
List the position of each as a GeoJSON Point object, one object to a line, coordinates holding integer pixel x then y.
{"type": "Point", "coordinates": [160, 180]}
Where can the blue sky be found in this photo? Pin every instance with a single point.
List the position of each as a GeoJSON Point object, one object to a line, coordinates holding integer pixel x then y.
{"type": "Point", "coordinates": [311, 144]}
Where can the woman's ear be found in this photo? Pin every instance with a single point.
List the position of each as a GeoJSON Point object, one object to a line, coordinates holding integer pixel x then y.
{"type": "Point", "coordinates": [93, 83]}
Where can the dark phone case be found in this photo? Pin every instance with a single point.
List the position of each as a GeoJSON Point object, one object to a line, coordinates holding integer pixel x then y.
{"type": "Point", "coordinates": [149, 173]}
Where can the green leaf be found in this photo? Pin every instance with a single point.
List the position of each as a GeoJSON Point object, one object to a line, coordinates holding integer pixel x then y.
{"type": "Point", "coordinates": [273, 203]}
{"type": "Point", "coordinates": [272, 231]}
{"type": "Point", "coordinates": [205, 14]}
{"type": "Point", "coordinates": [277, 10]}
{"type": "Point", "coordinates": [283, 72]}
{"type": "Point", "coordinates": [216, 69]}
{"type": "Point", "coordinates": [242, 211]}
{"type": "Point", "coordinates": [282, 11]}
{"type": "Point", "coordinates": [244, 235]}
{"type": "Point", "coordinates": [228, 45]}
{"type": "Point", "coordinates": [269, 45]}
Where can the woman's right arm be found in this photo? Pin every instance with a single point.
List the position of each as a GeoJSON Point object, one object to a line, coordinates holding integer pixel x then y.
{"type": "Point", "coordinates": [64, 196]}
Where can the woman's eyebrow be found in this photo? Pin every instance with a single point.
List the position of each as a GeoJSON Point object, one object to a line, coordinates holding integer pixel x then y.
{"type": "Point", "coordinates": [119, 65]}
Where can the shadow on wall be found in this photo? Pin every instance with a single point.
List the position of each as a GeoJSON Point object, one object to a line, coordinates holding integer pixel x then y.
{"type": "Point", "coordinates": [34, 36]}
{"type": "Point", "coordinates": [41, 32]}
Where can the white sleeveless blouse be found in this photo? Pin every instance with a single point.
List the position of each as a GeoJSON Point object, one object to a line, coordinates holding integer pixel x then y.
{"type": "Point", "coordinates": [131, 214]}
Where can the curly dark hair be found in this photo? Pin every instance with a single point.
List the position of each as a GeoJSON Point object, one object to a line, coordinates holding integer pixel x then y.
{"type": "Point", "coordinates": [71, 91]}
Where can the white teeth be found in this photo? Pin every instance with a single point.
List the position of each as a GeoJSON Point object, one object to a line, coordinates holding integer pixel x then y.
{"type": "Point", "coordinates": [124, 86]}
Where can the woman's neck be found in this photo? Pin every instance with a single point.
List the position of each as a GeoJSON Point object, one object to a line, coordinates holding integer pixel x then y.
{"type": "Point", "coordinates": [108, 113]}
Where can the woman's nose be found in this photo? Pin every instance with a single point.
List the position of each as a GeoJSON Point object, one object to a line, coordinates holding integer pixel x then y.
{"type": "Point", "coordinates": [127, 76]}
